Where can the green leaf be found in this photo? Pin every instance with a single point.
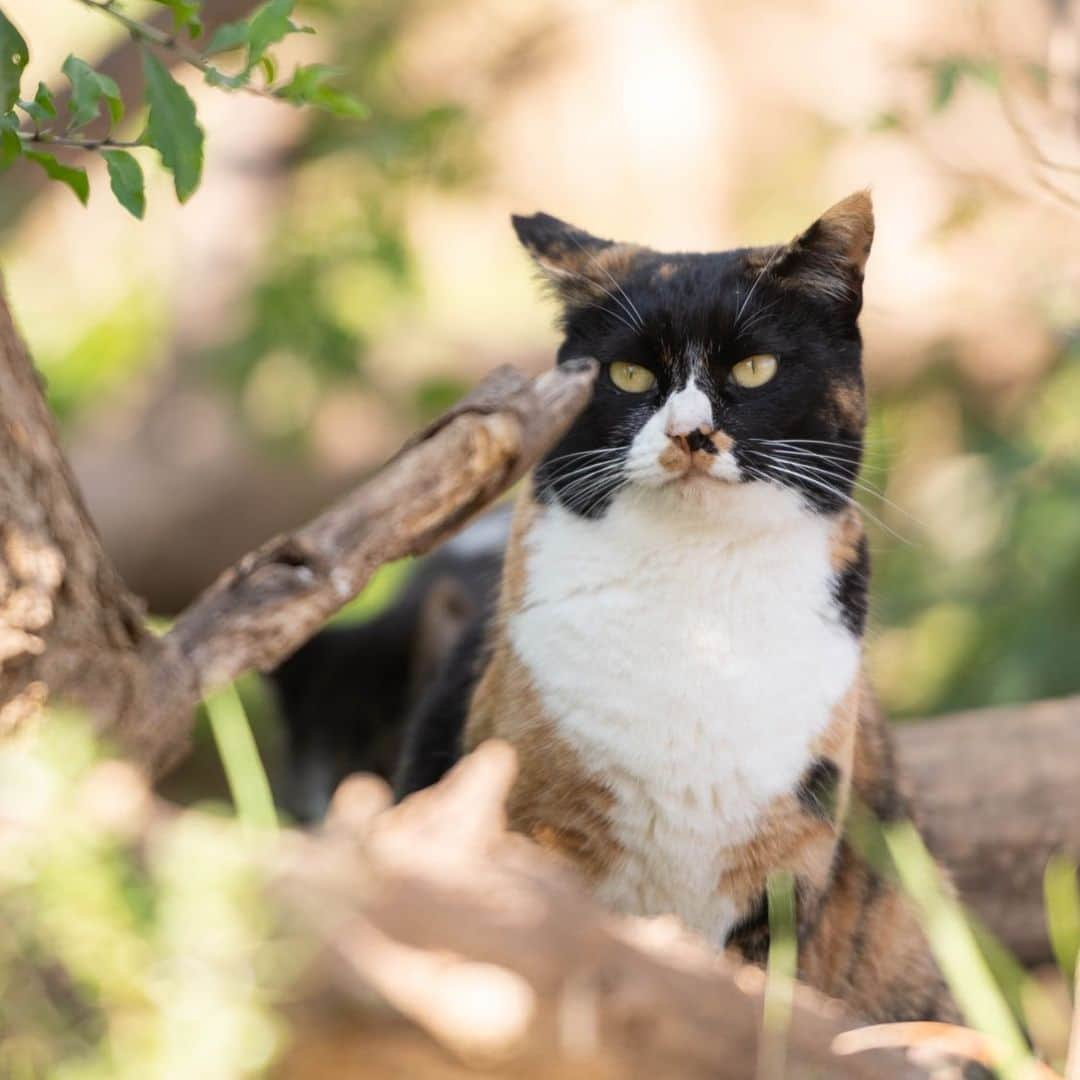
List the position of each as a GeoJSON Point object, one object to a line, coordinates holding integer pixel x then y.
{"type": "Point", "coordinates": [126, 180]}
{"type": "Point", "coordinates": [269, 25]}
{"type": "Point", "coordinates": [308, 87]}
{"type": "Point", "coordinates": [228, 82]}
{"type": "Point", "coordinates": [947, 73]}
{"type": "Point", "coordinates": [946, 76]}
{"type": "Point", "coordinates": [172, 127]}
{"type": "Point", "coordinates": [14, 56]}
{"type": "Point", "coordinates": [985, 71]}
{"type": "Point", "coordinates": [887, 121]}
{"type": "Point", "coordinates": [42, 108]}
{"type": "Point", "coordinates": [185, 15]}
{"type": "Point", "coordinates": [74, 177]}
{"type": "Point", "coordinates": [10, 147]}
{"type": "Point", "coordinates": [228, 36]}
{"type": "Point", "coordinates": [88, 88]}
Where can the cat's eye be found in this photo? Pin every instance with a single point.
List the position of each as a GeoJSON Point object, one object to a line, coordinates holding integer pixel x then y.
{"type": "Point", "coordinates": [754, 370]}
{"type": "Point", "coordinates": [633, 378]}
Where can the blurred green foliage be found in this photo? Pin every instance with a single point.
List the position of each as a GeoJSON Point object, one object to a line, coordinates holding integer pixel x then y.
{"type": "Point", "coordinates": [340, 265]}
{"type": "Point", "coordinates": [981, 606]}
{"type": "Point", "coordinates": [124, 955]}
{"type": "Point", "coordinates": [106, 357]}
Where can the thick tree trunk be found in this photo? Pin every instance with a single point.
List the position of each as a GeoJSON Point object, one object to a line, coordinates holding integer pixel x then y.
{"type": "Point", "coordinates": [68, 628]}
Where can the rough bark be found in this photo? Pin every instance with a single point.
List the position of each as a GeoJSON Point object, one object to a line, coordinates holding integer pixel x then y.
{"type": "Point", "coordinates": [68, 627]}
{"type": "Point", "coordinates": [70, 631]}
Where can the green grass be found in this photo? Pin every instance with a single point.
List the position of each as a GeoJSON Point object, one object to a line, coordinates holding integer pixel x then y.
{"type": "Point", "coordinates": [779, 976]}
{"type": "Point", "coordinates": [240, 759]}
{"type": "Point", "coordinates": [1062, 898]}
{"type": "Point", "coordinates": [956, 950]}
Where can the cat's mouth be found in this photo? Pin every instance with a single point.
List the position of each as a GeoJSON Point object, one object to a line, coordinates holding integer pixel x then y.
{"type": "Point", "coordinates": [699, 456]}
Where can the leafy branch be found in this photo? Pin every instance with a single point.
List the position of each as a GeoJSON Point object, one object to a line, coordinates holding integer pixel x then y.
{"type": "Point", "coordinates": [171, 126]}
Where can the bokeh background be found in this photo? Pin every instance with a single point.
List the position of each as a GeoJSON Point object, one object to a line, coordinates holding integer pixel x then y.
{"type": "Point", "coordinates": [223, 369]}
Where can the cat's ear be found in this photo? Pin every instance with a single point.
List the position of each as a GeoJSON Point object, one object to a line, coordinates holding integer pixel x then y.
{"type": "Point", "coordinates": [578, 265]}
{"type": "Point", "coordinates": [830, 257]}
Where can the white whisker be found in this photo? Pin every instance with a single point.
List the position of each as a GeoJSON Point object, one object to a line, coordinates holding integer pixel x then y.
{"type": "Point", "coordinates": [817, 482]}
{"type": "Point", "coordinates": [761, 273]}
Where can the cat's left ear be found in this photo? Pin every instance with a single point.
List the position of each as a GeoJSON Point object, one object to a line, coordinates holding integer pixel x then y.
{"type": "Point", "coordinates": [829, 258]}
{"type": "Point", "coordinates": [578, 265]}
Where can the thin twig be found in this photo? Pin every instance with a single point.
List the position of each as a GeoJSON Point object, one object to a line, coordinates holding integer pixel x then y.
{"type": "Point", "coordinates": [145, 32]}
{"type": "Point", "coordinates": [107, 142]}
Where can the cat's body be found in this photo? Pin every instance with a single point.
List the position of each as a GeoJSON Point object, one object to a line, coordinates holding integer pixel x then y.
{"type": "Point", "coordinates": [677, 653]}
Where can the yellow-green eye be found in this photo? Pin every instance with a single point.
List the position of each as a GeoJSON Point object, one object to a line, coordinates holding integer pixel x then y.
{"type": "Point", "coordinates": [633, 378]}
{"type": "Point", "coordinates": [754, 370]}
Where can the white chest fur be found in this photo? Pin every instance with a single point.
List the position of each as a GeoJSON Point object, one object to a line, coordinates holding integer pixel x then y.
{"type": "Point", "coordinates": [689, 651]}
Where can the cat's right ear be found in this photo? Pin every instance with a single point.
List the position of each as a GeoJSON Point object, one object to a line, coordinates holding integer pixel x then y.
{"type": "Point", "coordinates": [575, 263]}
{"type": "Point", "coordinates": [829, 258]}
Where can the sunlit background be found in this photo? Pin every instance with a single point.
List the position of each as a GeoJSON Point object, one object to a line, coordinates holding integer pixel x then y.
{"type": "Point", "coordinates": [222, 369]}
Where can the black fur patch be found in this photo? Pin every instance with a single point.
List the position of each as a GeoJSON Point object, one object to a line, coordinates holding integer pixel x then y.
{"type": "Point", "coordinates": [851, 590]}
{"type": "Point", "coordinates": [750, 935]}
{"type": "Point", "coordinates": [817, 789]}
{"type": "Point", "coordinates": [435, 730]}
{"type": "Point", "coordinates": [345, 695]}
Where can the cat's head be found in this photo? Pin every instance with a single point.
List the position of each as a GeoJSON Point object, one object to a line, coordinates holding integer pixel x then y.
{"type": "Point", "coordinates": [739, 367]}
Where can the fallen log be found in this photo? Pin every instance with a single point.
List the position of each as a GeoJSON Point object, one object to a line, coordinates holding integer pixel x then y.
{"type": "Point", "coordinates": [997, 792]}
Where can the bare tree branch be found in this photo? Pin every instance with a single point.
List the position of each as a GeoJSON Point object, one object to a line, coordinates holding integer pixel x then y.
{"type": "Point", "coordinates": [276, 598]}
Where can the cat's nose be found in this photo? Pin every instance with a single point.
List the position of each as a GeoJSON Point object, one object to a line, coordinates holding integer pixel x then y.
{"type": "Point", "coordinates": [699, 440]}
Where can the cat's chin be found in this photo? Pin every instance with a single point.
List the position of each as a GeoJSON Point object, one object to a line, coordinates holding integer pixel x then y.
{"type": "Point", "coordinates": [698, 485]}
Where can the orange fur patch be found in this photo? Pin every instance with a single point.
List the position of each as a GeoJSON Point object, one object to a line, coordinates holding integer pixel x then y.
{"type": "Point", "coordinates": [555, 799]}
{"type": "Point", "coordinates": [849, 405]}
{"type": "Point", "coordinates": [844, 541]}
{"type": "Point", "coordinates": [850, 228]}
{"type": "Point", "coordinates": [585, 273]}
{"type": "Point", "coordinates": [674, 457]}
{"type": "Point", "coordinates": [721, 440]}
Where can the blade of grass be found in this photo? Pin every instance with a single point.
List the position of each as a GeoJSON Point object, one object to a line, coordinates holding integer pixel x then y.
{"type": "Point", "coordinates": [1062, 901]}
{"type": "Point", "coordinates": [1038, 1010]}
{"type": "Point", "coordinates": [1072, 1066]}
{"type": "Point", "coordinates": [240, 759]}
{"type": "Point", "coordinates": [779, 976]}
{"type": "Point", "coordinates": [956, 950]}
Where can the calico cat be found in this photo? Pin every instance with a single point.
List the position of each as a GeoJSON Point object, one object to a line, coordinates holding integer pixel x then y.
{"type": "Point", "coordinates": [677, 652]}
